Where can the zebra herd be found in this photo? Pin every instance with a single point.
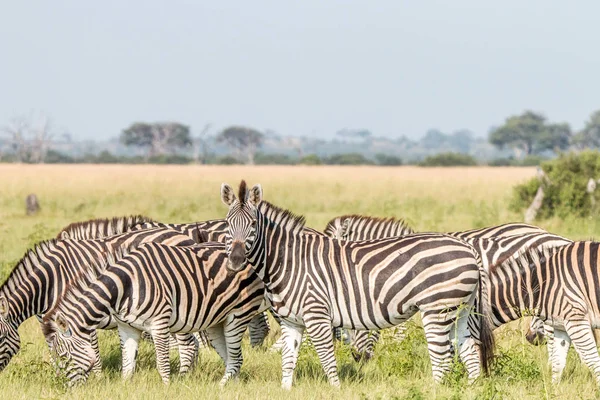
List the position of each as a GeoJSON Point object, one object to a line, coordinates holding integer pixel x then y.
{"type": "Point", "coordinates": [361, 275]}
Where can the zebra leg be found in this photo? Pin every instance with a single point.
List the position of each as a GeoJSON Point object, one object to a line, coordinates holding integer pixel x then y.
{"type": "Point", "coordinates": [557, 353]}
{"type": "Point", "coordinates": [97, 368]}
{"type": "Point", "coordinates": [217, 340]}
{"type": "Point", "coordinates": [437, 326]}
{"type": "Point", "coordinates": [582, 336]}
{"type": "Point", "coordinates": [188, 351]}
{"type": "Point", "coordinates": [202, 338]}
{"type": "Point", "coordinates": [129, 338]}
{"type": "Point", "coordinates": [549, 334]}
{"type": "Point", "coordinates": [233, 330]}
{"type": "Point", "coordinates": [259, 329]}
{"type": "Point", "coordinates": [291, 338]}
{"type": "Point", "coordinates": [468, 348]}
{"type": "Point", "coordinates": [320, 331]}
{"type": "Point", "coordinates": [161, 338]}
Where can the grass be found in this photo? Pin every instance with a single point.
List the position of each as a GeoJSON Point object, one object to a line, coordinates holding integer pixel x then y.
{"type": "Point", "coordinates": [432, 199]}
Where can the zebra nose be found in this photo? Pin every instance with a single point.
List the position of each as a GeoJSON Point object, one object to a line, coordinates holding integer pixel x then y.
{"type": "Point", "coordinates": [237, 258]}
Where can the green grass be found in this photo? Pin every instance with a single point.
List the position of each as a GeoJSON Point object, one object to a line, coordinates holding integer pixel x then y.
{"type": "Point", "coordinates": [430, 199]}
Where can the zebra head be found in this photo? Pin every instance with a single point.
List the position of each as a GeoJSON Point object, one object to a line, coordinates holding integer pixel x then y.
{"type": "Point", "coordinates": [241, 222]}
{"type": "Point", "coordinates": [71, 347]}
{"type": "Point", "coordinates": [536, 334]}
{"type": "Point", "coordinates": [10, 342]}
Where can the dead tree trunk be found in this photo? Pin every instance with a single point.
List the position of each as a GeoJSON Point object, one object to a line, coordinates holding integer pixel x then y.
{"type": "Point", "coordinates": [32, 206]}
{"type": "Point", "coordinates": [535, 206]}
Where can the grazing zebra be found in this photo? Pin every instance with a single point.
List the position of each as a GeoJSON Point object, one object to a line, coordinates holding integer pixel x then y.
{"type": "Point", "coordinates": [561, 287]}
{"type": "Point", "coordinates": [40, 277]}
{"type": "Point", "coordinates": [162, 290]}
{"type": "Point", "coordinates": [508, 240]}
{"type": "Point", "coordinates": [201, 232]}
{"type": "Point", "coordinates": [317, 282]}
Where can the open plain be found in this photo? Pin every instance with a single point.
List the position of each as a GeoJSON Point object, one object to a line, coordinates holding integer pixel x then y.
{"type": "Point", "coordinates": [430, 199]}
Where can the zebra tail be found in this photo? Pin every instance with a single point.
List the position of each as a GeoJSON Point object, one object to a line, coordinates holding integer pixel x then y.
{"type": "Point", "coordinates": [486, 335]}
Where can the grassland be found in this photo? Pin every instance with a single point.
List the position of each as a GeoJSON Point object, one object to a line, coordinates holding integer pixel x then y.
{"type": "Point", "coordinates": [429, 199]}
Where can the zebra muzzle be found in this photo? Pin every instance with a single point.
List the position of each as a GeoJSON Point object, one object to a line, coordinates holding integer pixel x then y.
{"type": "Point", "coordinates": [237, 257]}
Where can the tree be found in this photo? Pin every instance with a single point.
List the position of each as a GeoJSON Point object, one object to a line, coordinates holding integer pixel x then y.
{"type": "Point", "coordinates": [589, 136]}
{"type": "Point", "coordinates": [529, 133]}
{"type": "Point", "coordinates": [243, 140]}
{"type": "Point", "coordinates": [159, 138]}
{"type": "Point", "coordinates": [30, 137]}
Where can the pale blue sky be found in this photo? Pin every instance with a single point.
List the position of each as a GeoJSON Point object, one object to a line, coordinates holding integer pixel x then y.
{"type": "Point", "coordinates": [306, 67]}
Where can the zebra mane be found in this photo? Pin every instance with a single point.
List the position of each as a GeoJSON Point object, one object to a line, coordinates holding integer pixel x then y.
{"type": "Point", "coordinates": [101, 227]}
{"type": "Point", "coordinates": [242, 192]}
{"type": "Point", "coordinates": [30, 259]}
{"type": "Point", "coordinates": [285, 219]}
{"type": "Point", "coordinates": [523, 258]}
{"type": "Point", "coordinates": [355, 219]}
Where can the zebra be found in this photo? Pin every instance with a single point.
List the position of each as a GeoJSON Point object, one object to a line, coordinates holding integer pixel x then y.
{"type": "Point", "coordinates": [214, 230]}
{"type": "Point", "coordinates": [319, 283]}
{"type": "Point", "coordinates": [509, 239]}
{"type": "Point", "coordinates": [44, 271]}
{"type": "Point", "coordinates": [560, 286]}
{"type": "Point", "coordinates": [162, 290]}
{"type": "Point", "coordinates": [201, 232]}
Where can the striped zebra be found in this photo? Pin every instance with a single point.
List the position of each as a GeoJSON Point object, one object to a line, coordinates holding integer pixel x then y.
{"type": "Point", "coordinates": [317, 283]}
{"type": "Point", "coordinates": [213, 230]}
{"type": "Point", "coordinates": [561, 287]}
{"type": "Point", "coordinates": [44, 272]}
{"type": "Point", "coordinates": [508, 240]}
{"type": "Point", "coordinates": [201, 232]}
{"type": "Point", "coordinates": [162, 290]}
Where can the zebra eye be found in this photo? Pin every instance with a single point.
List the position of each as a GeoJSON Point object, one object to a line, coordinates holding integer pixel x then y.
{"type": "Point", "coordinates": [66, 333]}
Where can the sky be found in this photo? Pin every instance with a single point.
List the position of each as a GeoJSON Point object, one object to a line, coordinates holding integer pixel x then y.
{"type": "Point", "coordinates": [309, 67]}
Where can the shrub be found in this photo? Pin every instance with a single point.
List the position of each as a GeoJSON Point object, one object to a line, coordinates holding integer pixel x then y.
{"type": "Point", "coordinates": [388, 160]}
{"type": "Point", "coordinates": [310, 159]}
{"type": "Point", "coordinates": [273, 159]}
{"type": "Point", "coordinates": [348, 159]}
{"type": "Point", "coordinates": [565, 194]}
{"type": "Point", "coordinates": [448, 160]}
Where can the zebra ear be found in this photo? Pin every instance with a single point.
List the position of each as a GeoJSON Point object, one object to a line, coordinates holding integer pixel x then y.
{"type": "Point", "coordinates": [3, 307]}
{"type": "Point", "coordinates": [227, 194]}
{"type": "Point", "coordinates": [255, 195]}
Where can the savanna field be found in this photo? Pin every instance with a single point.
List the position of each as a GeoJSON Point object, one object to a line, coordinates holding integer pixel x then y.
{"type": "Point", "coordinates": [429, 199]}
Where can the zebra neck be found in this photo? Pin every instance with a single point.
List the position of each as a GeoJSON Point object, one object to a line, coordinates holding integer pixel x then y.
{"type": "Point", "coordinates": [26, 293]}
{"type": "Point", "coordinates": [514, 294]}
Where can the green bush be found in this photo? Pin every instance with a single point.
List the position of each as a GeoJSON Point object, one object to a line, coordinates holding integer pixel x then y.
{"type": "Point", "coordinates": [310, 159]}
{"type": "Point", "coordinates": [387, 160]}
{"type": "Point", "coordinates": [565, 194]}
{"type": "Point", "coordinates": [273, 159]}
{"type": "Point", "coordinates": [348, 159]}
{"type": "Point", "coordinates": [448, 160]}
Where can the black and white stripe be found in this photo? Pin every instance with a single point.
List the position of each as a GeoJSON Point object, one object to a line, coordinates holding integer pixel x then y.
{"type": "Point", "coordinates": [319, 283]}
{"type": "Point", "coordinates": [162, 290]}
{"type": "Point", "coordinates": [507, 241]}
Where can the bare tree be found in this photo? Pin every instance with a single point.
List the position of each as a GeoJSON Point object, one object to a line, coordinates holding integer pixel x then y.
{"type": "Point", "coordinates": [30, 137]}
{"type": "Point", "coordinates": [200, 144]}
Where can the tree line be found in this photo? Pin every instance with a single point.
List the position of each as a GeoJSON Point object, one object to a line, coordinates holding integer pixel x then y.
{"type": "Point", "coordinates": [523, 139]}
